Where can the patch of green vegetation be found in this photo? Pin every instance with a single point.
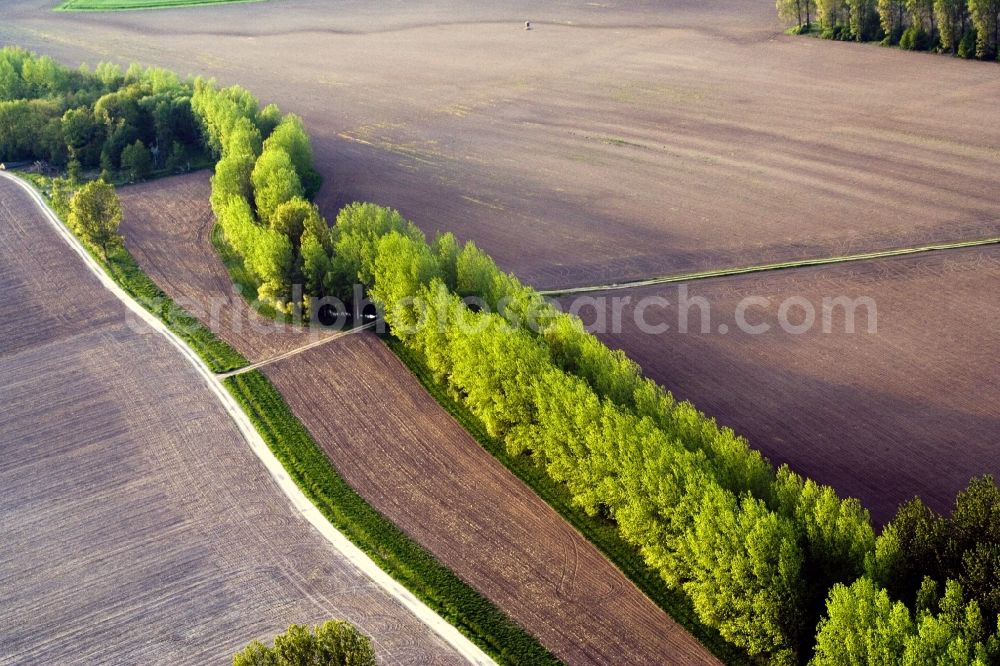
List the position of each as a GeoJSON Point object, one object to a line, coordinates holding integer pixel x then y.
{"type": "Point", "coordinates": [125, 5]}
{"type": "Point", "coordinates": [242, 278]}
{"type": "Point", "coordinates": [392, 550]}
{"type": "Point", "coordinates": [125, 270]}
{"type": "Point", "coordinates": [599, 531]}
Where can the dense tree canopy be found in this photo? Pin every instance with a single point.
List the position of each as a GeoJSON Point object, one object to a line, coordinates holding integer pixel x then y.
{"type": "Point", "coordinates": [57, 115]}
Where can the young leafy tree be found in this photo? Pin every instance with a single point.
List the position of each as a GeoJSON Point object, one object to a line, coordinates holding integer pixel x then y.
{"type": "Point", "coordinates": [294, 216]}
{"type": "Point", "coordinates": [922, 15]}
{"type": "Point", "coordinates": [333, 643]}
{"type": "Point", "coordinates": [893, 18]}
{"type": "Point", "coordinates": [791, 11]}
{"type": "Point", "coordinates": [864, 19]}
{"type": "Point", "coordinates": [267, 119]}
{"type": "Point", "coordinates": [95, 214]}
{"type": "Point", "coordinates": [952, 20]}
{"type": "Point", "coordinates": [862, 626]}
{"type": "Point", "coordinates": [290, 136]}
{"type": "Point", "coordinates": [136, 161]}
{"type": "Point", "coordinates": [986, 19]}
{"type": "Point", "coordinates": [908, 550]}
{"type": "Point", "coordinates": [746, 574]}
{"type": "Point", "coordinates": [315, 265]}
{"type": "Point", "coordinates": [82, 135]}
{"type": "Point", "coordinates": [403, 267]}
{"type": "Point", "coordinates": [972, 547]}
{"type": "Point", "coordinates": [494, 368]}
{"type": "Point", "coordinates": [358, 228]}
{"type": "Point", "coordinates": [274, 182]}
{"type": "Point", "coordinates": [446, 249]}
{"type": "Point", "coordinates": [832, 14]}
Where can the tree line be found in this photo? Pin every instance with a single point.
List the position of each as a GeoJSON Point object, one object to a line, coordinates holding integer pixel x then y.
{"type": "Point", "coordinates": [124, 124]}
{"type": "Point", "coordinates": [766, 557]}
{"type": "Point", "coordinates": [781, 566]}
{"type": "Point", "coordinates": [261, 193]}
{"type": "Point", "coordinates": [966, 28]}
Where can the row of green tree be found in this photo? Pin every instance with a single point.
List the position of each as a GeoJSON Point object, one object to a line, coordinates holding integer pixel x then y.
{"type": "Point", "coordinates": [261, 190]}
{"type": "Point", "coordinates": [758, 552]}
{"type": "Point", "coordinates": [130, 123]}
{"type": "Point", "coordinates": [967, 28]}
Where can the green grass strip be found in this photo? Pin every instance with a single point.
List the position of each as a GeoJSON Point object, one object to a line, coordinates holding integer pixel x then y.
{"type": "Point", "coordinates": [600, 532]}
{"type": "Point", "coordinates": [387, 545]}
{"type": "Point", "coordinates": [128, 5]}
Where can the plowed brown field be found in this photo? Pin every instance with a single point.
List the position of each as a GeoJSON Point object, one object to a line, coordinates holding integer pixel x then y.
{"type": "Point", "coordinates": [613, 141]}
{"type": "Point", "coordinates": [908, 410]}
{"type": "Point", "coordinates": [138, 526]}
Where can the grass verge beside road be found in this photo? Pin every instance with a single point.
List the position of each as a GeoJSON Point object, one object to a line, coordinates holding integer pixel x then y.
{"type": "Point", "coordinates": [126, 5]}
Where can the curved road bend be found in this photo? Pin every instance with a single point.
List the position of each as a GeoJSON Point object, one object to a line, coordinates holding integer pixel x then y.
{"type": "Point", "coordinates": [138, 525]}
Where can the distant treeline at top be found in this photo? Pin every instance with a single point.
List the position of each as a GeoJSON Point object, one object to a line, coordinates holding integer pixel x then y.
{"type": "Point", "coordinates": [967, 28]}
{"type": "Point", "coordinates": [781, 566]}
{"type": "Point", "coordinates": [133, 122]}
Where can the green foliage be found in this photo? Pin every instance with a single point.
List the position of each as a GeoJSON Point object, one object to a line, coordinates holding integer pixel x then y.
{"type": "Point", "coordinates": [402, 267]}
{"type": "Point", "coordinates": [985, 15]}
{"type": "Point", "coordinates": [863, 626]}
{"type": "Point", "coordinates": [832, 14]}
{"type": "Point", "coordinates": [446, 249]}
{"type": "Point", "coordinates": [358, 228]}
{"type": "Point", "coordinates": [95, 213]}
{"type": "Point", "coordinates": [274, 182]}
{"type": "Point", "coordinates": [136, 161]}
{"type": "Point", "coordinates": [745, 568]}
{"type": "Point", "coordinates": [967, 47]}
{"type": "Point", "coordinates": [952, 17]}
{"type": "Point", "coordinates": [919, 543]}
{"type": "Point", "coordinates": [915, 39]}
{"type": "Point", "coordinates": [864, 20]}
{"type": "Point", "coordinates": [291, 137]}
{"type": "Point", "coordinates": [892, 18]}
{"type": "Point", "coordinates": [57, 115]}
{"type": "Point", "coordinates": [333, 643]}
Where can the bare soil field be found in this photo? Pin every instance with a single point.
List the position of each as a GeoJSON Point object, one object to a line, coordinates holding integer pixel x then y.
{"type": "Point", "coordinates": [138, 525]}
{"type": "Point", "coordinates": [612, 141]}
{"type": "Point", "coordinates": [407, 457]}
{"type": "Point", "coordinates": [909, 410]}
